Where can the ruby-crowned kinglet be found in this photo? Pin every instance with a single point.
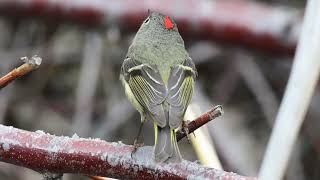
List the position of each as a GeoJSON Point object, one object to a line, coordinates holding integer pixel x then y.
{"type": "Point", "coordinates": [158, 76]}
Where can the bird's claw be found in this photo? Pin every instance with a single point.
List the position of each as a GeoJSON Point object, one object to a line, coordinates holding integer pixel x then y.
{"type": "Point", "coordinates": [136, 145]}
{"type": "Point", "coordinates": [186, 130]}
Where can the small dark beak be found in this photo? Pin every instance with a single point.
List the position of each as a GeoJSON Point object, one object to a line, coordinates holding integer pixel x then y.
{"type": "Point", "coordinates": [149, 12]}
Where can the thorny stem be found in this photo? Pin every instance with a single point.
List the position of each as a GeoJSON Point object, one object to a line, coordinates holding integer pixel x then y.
{"type": "Point", "coordinates": [28, 66]}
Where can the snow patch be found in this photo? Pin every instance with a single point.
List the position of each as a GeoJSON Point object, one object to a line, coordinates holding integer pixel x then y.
{"type": "Point", "coordinates": [103, 157]}
{"type": "Point", "coordinates": [113, 160]}
{"type": "Point", "coordinates": [135, 169]}
{"type": "Point", "coordinates": [126, 165]}
{"type": "Point", "coordinates": [40, 132]}
{"type": "Point", "coordinates": [75, 136]}
{"type": "Point", "coordinates": [6, 146]}
{"type": "Point", "coordinates": [71, 151]}
{"type": "Point", "coordinates": [6, 129]}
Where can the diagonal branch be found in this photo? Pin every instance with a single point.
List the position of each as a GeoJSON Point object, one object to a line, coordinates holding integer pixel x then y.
{"type": "Point", "coordinates": [28, 66]}
{"type": "Point", "coordinates": [47, 153]}
{"type": "Point", "coordinates": [200, 121]}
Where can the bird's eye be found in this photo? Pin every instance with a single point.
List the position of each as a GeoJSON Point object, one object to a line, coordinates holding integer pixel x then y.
{"type": "Point", "coordinates": [147, 21]}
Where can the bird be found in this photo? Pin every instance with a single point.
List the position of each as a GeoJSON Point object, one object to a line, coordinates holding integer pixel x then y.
{"type": "Point", "coordinates": [158, 77]}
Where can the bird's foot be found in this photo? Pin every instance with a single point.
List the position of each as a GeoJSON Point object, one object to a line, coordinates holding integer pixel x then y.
{"type": "Point", "coordinates": [136, 145]}
{"type": "Point", "coordinates": [185, 129]}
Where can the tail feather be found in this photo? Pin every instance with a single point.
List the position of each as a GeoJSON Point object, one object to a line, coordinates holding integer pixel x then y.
{"type": "Point", "coordinates": [176, 156]}
{"type": "Point", "coordinates": [166, 146]}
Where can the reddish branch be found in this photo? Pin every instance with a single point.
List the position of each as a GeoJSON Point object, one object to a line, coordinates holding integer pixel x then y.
{"type": "Point", "coordinates": [28, 66]}
{"type": "Point", "coordinates": [200, 121]}
{"type": "Point", "coordinates": [267, 28]}
{"type": "Point", "coordinates": [47, 153]}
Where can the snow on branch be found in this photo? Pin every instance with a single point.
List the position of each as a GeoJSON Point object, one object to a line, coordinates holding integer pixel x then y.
{"type": "Point", "coordinates": [44, 153]}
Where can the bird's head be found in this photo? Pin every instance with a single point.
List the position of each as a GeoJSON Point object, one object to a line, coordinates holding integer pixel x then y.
{"type": "Point", "coordinates": [158, 22]}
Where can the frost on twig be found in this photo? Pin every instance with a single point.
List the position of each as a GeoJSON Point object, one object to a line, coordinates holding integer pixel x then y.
{"type": "Point", "coordinates": [28, 66]}
{"type": "Point", "coordinates": [43, 153]}
{"type": "Point", "coordinates": [34, 61]}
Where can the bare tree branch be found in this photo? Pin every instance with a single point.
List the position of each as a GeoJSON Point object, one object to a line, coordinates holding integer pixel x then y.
{"type": "Point", "coordinates": [48, 153]}
{"type": "Point", "coordinates": [28, 66]}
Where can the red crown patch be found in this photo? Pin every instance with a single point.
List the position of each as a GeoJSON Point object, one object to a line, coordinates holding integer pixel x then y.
{"type": "Point", "coordinates": [168, 23]}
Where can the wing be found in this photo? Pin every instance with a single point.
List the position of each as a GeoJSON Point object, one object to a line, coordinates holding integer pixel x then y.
{"type": "Point", "coordinates": [180, 86]}
{"type": "Point", "coordinates": [148, 88]}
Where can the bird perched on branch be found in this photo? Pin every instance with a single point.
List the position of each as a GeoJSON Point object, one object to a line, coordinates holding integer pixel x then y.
{"type": "Point", "coordinates": [158, 76]}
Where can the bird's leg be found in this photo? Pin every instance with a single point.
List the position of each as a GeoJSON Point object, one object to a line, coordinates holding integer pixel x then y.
{"type": "Point", "coordinates": [136, 143]}
{"type": "Point", "coordinates": [185, 129]}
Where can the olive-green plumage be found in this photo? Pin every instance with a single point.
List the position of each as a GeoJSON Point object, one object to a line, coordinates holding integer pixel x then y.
{"type": "Point", "coordinates": [158, 76]}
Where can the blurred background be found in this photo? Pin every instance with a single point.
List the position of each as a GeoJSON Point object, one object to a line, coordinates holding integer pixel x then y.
{"type": "Point", "coordinates": [243, 51]}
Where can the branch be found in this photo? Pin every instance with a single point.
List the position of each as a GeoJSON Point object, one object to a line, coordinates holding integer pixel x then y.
{"type": "Point", "coordinates": [44, 153]}
{"type": "Point", "coordinates": [237, 22]}
{"type": "Point", "coordinates": [28, 66]}
{"type": "Point", "coordinates": [200, 121]}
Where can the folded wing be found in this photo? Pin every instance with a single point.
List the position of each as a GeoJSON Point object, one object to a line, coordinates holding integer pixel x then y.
{"type": "Point", "coordinates": [180, 90]}
{"type": "Point", "coordinates": [148, 88]}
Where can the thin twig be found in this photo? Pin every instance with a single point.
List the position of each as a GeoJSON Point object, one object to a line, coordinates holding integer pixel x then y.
{"type": "Point", "coordinates": [47, 153]}
{"type": "Point", "coordinates": [200, 121]}
{"type": "Point", "coordinates": [28, 66]}
{"type": "Point", "coordinates": [192, 126]}
{"type": "Point", "coordinates": [225, 131]}
{"type": "Point", "coordinates": [202, 142]}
